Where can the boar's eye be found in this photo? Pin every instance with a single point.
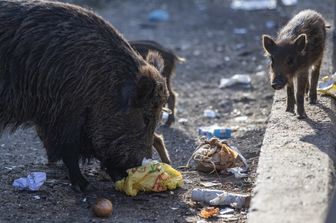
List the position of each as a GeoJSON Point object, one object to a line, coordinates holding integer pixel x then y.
{"type": "Point", "coordinates": [290, 61]}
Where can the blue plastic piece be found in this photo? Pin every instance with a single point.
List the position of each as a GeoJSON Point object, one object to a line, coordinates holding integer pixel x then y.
{"type": "Point", "coordinates": [32, 182]}
{"type": "Point", "coordinates": [158, 15]}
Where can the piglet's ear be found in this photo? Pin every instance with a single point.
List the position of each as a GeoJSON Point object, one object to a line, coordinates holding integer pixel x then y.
{"type": "Point", "coordinates": [155, 59]}
{"type": "Point", "coordinates": [268, 44]}
{"type": "Point", "coordinates": [300, 42]}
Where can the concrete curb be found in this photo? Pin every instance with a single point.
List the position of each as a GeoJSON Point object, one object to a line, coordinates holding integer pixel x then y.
{"type": "Point", "coordinates": [296, 165]}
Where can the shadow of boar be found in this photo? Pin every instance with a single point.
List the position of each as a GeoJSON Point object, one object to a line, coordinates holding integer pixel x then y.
{"type": "Point", "coordinates": [88, 95]}
{"type": "Point", "coordinates": [170, 59]}
{"type": "Point", "coordinates": [298, 48]}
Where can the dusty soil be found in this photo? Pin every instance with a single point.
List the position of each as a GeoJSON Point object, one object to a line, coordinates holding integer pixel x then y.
{"type": "Point", "coordinates": [204, 33]}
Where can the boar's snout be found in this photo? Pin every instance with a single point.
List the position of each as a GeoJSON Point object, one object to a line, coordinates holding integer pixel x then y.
{"type": "Point", "coordinates": [278, 83]}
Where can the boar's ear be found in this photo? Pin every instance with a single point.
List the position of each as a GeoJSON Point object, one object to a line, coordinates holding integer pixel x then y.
{"type": "Point", "coordinates": [145, 90]}
{"type": "Point", "coordinates": [268, 44]}
{"type": "Point", "coordinates": [155, 59]}
{"type": "Point", "coordinates": [300, 42]}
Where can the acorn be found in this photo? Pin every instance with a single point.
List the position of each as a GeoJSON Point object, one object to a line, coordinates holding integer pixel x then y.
{"type": "Point", "coordinates": [102, 208]}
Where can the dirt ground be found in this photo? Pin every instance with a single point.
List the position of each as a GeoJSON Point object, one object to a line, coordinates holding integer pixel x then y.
{"type": "Point", "coordinates": [205, 33]}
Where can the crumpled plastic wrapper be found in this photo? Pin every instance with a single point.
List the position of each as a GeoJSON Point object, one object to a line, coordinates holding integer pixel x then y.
{"type": "Point", "coordinates": [215, 155]}
{"type": "Point", "coordinates": [327, 85]}
{"type": "Point", "coordinates": [32, 182]}
{"type": "Point", "coordinates": [152, 176]}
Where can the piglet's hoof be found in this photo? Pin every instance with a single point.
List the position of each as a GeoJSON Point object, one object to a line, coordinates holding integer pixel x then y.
{"type": "Point", "coordinates": [290, 110]}
{"type": "Point", "coordinates": [313, 101]}
{"type": "Point", "coordinates": [302, 116]}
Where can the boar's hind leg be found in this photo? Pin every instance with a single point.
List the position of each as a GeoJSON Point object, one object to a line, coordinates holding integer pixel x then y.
{"type": "Point", "coordinates": [313, 82]}
{"type": "Point", "coordinates": [301, 86]}
{"type": "Point", "coordinates": [290, 97]}
{"type": "Point", "coordinates": [161, 149]}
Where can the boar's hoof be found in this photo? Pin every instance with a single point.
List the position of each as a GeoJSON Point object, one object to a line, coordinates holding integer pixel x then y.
{"type": "Point", "coordinates": [81, 185]}
{"type": "Point", "coordinates": [117, 174]}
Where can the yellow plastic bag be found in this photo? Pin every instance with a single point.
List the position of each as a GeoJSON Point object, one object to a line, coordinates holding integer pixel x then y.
{"type": "Point", "coordinates": [152, 176]}
{"type": "Point", "coordinates": [327, 86]}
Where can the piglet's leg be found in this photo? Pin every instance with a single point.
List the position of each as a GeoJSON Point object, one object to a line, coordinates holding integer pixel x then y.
{"type": "Point", "coordinates": [290, 98]}
{"type": "Point", "coordinates": [301, 85]}
{"type": "Point", "coordinates": [161, 149]}
{"type": "Point", "coordinates": [313, 82]}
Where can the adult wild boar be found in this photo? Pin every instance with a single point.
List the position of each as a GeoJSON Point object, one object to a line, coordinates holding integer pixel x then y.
{"type": "Point", "coordinates": [69, 72]}
{"type": "Point", "coordinates": [298, 48]}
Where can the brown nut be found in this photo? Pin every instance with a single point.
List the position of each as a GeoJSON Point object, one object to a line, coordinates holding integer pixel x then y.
{"type": "Point", "coordinates": [102, 208]}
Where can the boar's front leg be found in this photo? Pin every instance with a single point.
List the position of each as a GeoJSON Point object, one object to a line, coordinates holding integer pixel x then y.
{"type": "Point", "coordinates": [290, 97]}
{"type": "Point", "coordinates": [301, 86]}
{"type": "Point", "coordinates": [66, 139]}
{"type": "Point", "coordinates": [313, 82]}
{"type": "Point", "coordinates": [161, 149]}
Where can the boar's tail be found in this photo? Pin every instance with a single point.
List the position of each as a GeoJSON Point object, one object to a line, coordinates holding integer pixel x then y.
{"type": "Point", "coordinates": [180, 59]}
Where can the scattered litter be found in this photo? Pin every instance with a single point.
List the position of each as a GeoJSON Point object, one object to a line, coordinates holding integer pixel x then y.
{"type": "Point", "coordinates": [327, 85]}
{"type": "Point", "coordinates": [2, 145]}
{"type": "Point", "coordinates": [260, 73]}
{"type": "Point", "coordinates": [158, 15]}
{"type": "Point", "coordinates": [289, 2]}
{"type": "Point", "coordinates": [215, 155]}
{"type": "Point", "coordinates": [221, 197]}
{"type": "Point", "coordinates": [253, 4]}
{"type": "Point", "coordinates": [9, 168]}
{"type": "Point", "coordinates": [32, 182]}
{"type": "Point", "coordinates": [210, 184]}
{"type": "Point", "coordinates": [241, 119]}
{"type": "Point", "coordinates": [151, 176]}
{"type": "Point", "coordinates": [226, 211]}
{"type": "Point", "coordinates": [182, 120]}
{"type": "Point", "coordinates": [210, 113]}
{"type": "Point", "coordinates": [244, 79]}
{"type": "Point", "coordinates": [36, 197]}
{"type": "Point", "coordinates": [270, 24]}
{"type": "Point", "coordinates": [238, 172]}
{"type": "Point", "coordinates": [165, 116]}
{"type": "Point", "coordinates": [215, 131]}
{"type": "Point", "coordinates": [209, 212]}
{"type": "Point", "coordinates": [240, 31]}
{"type": "Point", "coordinates": [173, 208]}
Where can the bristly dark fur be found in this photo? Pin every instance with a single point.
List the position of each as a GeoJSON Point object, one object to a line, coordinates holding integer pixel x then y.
{"type": "Point", "coordinates": [73, 75]}
{"type": "Point", "coordinates": [170, 59]}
